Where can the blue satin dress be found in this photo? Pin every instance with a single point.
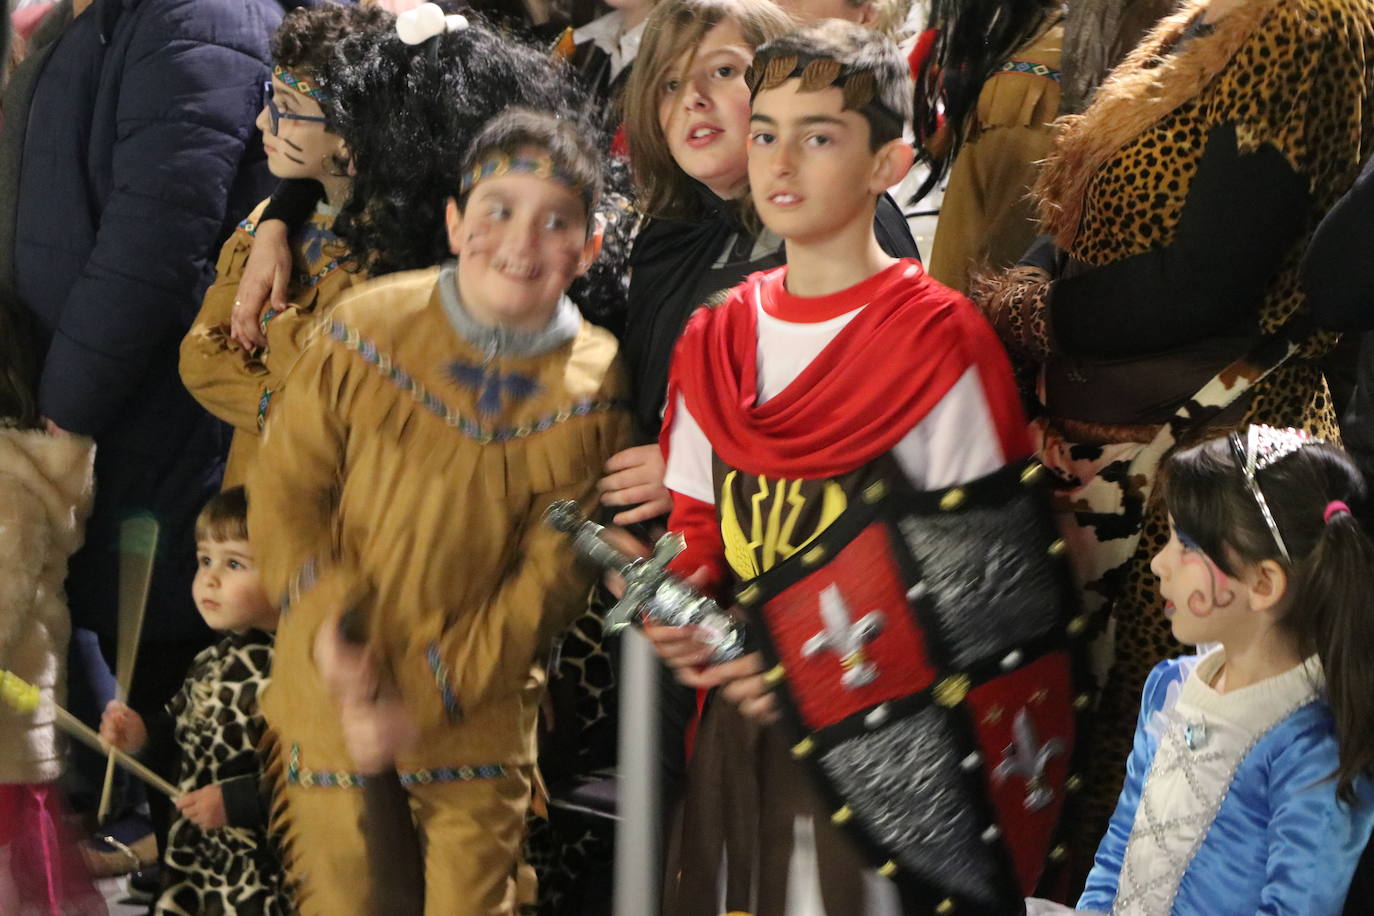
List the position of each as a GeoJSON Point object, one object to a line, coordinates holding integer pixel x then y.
{"type": "Point", "coordinates": [1280, 841]}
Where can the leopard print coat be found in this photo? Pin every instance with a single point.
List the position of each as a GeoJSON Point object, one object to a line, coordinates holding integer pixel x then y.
{"type": "Point", "coordinates": [1294, 75]}
{"type": "Point", "coordinates": [231, 870]}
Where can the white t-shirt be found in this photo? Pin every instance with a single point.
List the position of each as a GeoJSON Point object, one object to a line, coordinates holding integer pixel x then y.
{"type": "Point", "coordinates": [955, 442]}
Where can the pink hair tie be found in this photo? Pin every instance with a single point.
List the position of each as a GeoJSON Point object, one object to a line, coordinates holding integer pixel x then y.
{"type": "Point", "coordinates": [1332, 508]}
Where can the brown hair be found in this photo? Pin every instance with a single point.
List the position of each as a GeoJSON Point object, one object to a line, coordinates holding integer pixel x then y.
{"type": "Point", "coordinates": [863, 64]}
{"type": "Point", "coordinates": [675, 28]}
{"type": "Point", "coordinates": [1332, 564]}
{"type": "Point", "coordinates": [224, 518]}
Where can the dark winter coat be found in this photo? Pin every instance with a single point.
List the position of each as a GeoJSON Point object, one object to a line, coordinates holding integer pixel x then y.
{"type": "Point", "coordinates": [139, 157]}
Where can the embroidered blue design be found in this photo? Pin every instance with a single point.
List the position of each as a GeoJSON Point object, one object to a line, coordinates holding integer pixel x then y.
{"type": "Point", "coordinates": [1034, 69]}
{"type": "Point", "coordinates": [440, 672]}
{"type": "Point", "coordinates": [470, 428]}
{"type": "Point", "coordinates": [492, 387]}
{"type": "Point", "coordinates": [312, 239]}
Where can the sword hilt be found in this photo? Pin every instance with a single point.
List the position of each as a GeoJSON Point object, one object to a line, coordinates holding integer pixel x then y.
{"type": "Point", "coordinates": [649, 586]}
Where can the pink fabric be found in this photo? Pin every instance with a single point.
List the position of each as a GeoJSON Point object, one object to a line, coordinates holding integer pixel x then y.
{"type": "Point", "coordinates": [46, 869]}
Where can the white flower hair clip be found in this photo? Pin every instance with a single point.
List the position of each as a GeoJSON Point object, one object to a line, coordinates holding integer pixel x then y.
{"type": "Point", "coordinates": [422, 23]}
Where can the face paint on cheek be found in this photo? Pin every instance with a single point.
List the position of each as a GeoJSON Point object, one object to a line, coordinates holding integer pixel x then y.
{"type": "Point", "coordinates": [1222, 595]}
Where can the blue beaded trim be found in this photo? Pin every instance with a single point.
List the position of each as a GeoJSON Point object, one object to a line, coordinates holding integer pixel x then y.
{"type": "Point", "coordinates": [1034, 69]}
{"type": "Point", "coordinates": [263, 403]}
{"type": "Point", "coordinates": [296, 775]}
{"type": "Point", "coordinates": [440, 672]}
{"type": "Point", "coordinates": [302, 581]}
{"type": "Point", "coordinates": [452, 774]}
{"type": "Point", "coordinates": [313, 280]}
{"type": "Point", "coordinates": [368, 351]}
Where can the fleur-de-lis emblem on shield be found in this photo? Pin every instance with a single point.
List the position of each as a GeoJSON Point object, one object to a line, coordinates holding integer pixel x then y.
{"type": "Point", "coordinates": [1027, 757]}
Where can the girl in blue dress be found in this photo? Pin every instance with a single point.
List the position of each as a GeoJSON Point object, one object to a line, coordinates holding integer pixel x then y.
{"type": "Point", "coordinates": [1247, 789]}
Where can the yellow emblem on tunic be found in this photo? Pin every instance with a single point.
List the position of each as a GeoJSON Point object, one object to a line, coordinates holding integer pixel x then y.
{"type": "Point", "coordinates": [775, 510]}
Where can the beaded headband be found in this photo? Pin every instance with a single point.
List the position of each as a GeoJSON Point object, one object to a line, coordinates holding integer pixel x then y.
{"type": "Point", "coordinates": [502, 164]}
{"type": "Point", "coordinates": [302, 85]}
{"type": "Point", "coordinates": [1262, 447]}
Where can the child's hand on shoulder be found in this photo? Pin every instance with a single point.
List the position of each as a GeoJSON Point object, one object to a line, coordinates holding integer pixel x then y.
{"type": "Point", "coordinates": [204, 807]}
{"type": "Point", "coordinates": [122, 728]}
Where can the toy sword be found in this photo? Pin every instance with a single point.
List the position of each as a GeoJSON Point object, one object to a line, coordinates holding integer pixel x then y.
{"type": "Point", "coordinates": [24, 698]}
{"type": "Point", "coordinates": [650, 588]}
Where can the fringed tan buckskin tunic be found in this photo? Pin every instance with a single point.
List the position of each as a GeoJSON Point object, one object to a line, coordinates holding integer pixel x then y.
{"type": "Point", "coordinates": [987, 218]}
{"type": "Point", "coordinates": [405, 473]}
{"type": "Point", "coordinates": [238, 386]}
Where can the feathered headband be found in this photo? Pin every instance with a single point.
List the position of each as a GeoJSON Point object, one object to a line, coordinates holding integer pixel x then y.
{"type": "Point", "coordinates": [859, 86]}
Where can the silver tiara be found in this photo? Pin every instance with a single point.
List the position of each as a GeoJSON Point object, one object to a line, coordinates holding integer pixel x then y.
{"type": "Point", "coordinates": [1262, 447]}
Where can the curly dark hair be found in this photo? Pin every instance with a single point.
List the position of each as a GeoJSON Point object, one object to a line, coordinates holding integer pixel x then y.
{"type": "Point", "coordinates": [306, 38]}
{"type": "Point", "coordinates": [408, 114]}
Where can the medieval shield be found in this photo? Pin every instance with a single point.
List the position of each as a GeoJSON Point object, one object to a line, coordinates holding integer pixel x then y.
{"type": "Point", "coordinates": [922, 650]}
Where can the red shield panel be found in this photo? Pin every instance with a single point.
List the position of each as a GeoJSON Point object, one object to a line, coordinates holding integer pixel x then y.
{"type": "Point", "coordinates": [845, 634]}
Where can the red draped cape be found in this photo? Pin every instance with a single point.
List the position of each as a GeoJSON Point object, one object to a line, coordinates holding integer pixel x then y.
{"type": "Point", "coordinates": [869, 387]}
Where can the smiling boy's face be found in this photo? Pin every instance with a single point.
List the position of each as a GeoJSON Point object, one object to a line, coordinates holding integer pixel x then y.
{"type": "Point", "coordinates": [812, 172]}
{"type": "Point", "coordinates": [520, 240]}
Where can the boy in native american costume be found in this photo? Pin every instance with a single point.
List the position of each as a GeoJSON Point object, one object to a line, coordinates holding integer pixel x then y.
{"type": "Point", "coordinates": [845, 445]}
{"type": "Point", "coordinates": [402, 478]}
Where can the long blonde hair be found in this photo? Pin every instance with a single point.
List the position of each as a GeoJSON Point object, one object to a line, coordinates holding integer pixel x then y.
{"type": "Point", "coordinates": [675, 28]}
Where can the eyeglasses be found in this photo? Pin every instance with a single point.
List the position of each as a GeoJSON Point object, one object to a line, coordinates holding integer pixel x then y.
{"type": "Point", "coordinates": [277, 115]}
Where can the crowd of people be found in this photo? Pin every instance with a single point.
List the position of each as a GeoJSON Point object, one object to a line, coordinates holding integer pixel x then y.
{"type": "Point", "coordinates": [1049, 560]}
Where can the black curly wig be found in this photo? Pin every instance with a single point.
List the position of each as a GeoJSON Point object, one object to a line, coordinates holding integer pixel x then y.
{"type": "Point", "coordinates": [408, 113]}
{"type": "Point", "coordinates": [306, 38]}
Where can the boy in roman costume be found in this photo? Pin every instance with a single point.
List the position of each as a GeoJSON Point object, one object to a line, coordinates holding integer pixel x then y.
{"type": "Point", "coordinates": [845, 445]}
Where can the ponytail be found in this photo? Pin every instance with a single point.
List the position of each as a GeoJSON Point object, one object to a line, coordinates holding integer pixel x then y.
{"type": "Point", "coordinates": [1335, 620]}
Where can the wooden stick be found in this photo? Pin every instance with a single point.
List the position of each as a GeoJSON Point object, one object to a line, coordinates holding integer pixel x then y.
{"type": "Point", "coordinates": [81, 731]}
{"type": "Point", "coordinates": [24, 698]}
{"type": "Point", "coordinates": [137, 551]}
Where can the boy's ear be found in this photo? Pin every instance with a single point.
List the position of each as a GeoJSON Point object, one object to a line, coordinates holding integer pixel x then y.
{"type": "Point", "coordinates": [1268, 584]}
{"type": "Point", "coordinates": [591, 249]}
{"type": "Point", "coordinates": [868, 15]}
{"type": "Point", "coordinates": [453, 220]}
{"type": "Point", "coordinates": [890, 165]}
